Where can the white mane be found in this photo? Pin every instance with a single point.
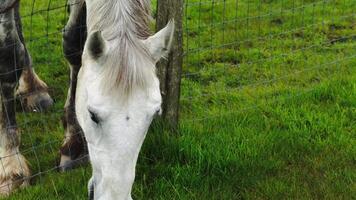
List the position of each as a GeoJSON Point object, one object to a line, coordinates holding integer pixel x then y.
{"type": "Point", "coordinates": [123, 24]}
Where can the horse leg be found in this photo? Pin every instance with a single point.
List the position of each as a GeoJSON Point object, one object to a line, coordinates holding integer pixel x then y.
{"type": "Point", "coordinates": [74, 150]}
{"type": "Point", "coordinates": [33, 92]}
{"type": "Point", "coordinates": [74, 146]}
{"type": "Point", "coordinates": [14, 171]}
{"type": "Point", "coordinates": [13, 166]}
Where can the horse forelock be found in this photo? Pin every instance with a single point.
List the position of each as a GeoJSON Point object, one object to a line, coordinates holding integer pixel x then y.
{"type": "Point", "coordinates": [114, 17]}
{"type": "Point", "coordinates": [124, 24]}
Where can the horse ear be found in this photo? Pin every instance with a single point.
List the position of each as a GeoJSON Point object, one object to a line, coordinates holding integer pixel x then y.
{"type": "Point", "coordinates": [96, 45]}
{"type": "Point", "coordinates": [159, 44]}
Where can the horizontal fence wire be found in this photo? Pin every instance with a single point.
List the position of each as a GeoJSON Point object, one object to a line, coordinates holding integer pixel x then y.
{"type": "Point", "coordinates": [274, 100]}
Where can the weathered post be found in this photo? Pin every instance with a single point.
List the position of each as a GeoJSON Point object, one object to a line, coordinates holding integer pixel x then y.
{"type": "Point", "coordinates": [170, 70]}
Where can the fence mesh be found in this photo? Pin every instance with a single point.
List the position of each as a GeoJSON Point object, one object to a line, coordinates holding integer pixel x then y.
{"type": "Point", "coordinates": [240, 55]}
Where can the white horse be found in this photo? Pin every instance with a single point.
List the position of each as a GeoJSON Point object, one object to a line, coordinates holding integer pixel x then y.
{"type": "Point", "coordinates": [118, 91]}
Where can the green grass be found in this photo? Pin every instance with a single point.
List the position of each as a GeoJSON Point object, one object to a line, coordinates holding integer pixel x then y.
{"type": "Point", "coordinates": [268, 105]}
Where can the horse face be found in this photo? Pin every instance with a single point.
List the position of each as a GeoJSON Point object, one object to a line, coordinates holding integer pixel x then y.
{"type": "Point", "coordinates": [108, 114]}
{"type": "Point", "coordinates": [115, 124]}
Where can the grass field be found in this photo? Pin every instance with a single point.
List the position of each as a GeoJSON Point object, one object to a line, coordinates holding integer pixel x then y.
{"type": "Point", "coordinates": [268, 106]}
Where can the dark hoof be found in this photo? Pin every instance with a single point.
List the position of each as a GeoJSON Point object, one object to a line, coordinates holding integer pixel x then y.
{"type": "Point", "coordinates": [66, 166]}
{"type": "Point", "coordinates": [67, 163]}
{"type": "Point", "coordinates": [37, 102]}
{"type": "Point", "coordinates": [44, 104]}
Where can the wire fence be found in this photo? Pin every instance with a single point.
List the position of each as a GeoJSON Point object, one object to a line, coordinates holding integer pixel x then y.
{"type": "Point", "coordinates": [234, 46]}
{"type": "Point", "coordinates": [239, 55]}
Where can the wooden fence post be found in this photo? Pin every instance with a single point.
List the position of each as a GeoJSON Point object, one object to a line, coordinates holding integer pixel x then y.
{"type": "Point", "coordinates": [170, 70]}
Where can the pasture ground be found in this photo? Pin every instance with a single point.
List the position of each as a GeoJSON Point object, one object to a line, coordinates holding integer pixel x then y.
{"type": "Point", "coordinates": [268, 105]}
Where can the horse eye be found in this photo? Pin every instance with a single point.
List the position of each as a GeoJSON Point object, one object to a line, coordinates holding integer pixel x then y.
{"type": "Point", "coordinates": [94, 117]}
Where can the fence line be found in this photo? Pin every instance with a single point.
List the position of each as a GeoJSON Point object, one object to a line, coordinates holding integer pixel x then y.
{"type": "Point", "coordinates": [273, 101]}
{"type": "Point", "coordinates": [254, 84]}
{"type": "Point", "coordinates": [229, 26]}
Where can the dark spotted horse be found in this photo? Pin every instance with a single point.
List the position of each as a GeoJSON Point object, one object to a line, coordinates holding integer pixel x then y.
{"type": "Point", "coordinates": [18, 80]}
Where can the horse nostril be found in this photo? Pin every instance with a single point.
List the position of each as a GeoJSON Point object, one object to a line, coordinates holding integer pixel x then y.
{"type": "Point", "coordinates": [91, 189]}
{"type": "Point", "coordinates": [158, 112]}
{"type": "Point", "coordinates": [91, 192]}
{"type": "Point", "coordinates": [44, 104]}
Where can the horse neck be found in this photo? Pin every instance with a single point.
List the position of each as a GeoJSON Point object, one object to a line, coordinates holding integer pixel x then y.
{"type": "Point", "coordinates": [117, 18]}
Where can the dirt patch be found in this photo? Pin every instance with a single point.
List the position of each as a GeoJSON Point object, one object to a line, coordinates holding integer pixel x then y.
{"type": "Point", "coordinates": [333, 39]}
{"type": "Point", "coordinates": [277, 21]}
{"type": "Point", "coordinates": [333, 27]}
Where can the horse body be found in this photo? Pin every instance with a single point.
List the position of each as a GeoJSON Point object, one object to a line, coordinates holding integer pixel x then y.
{"type": "Point", "coordinates": [118, 91]}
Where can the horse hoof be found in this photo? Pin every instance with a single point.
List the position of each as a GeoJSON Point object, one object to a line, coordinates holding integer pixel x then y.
{"type": "Point", "coordinates": [37, 102]}
{"type": "Point", "coordinates": [67, 164]}
{"type": "Point", "coordinates": [45, 103]}
{"type": "Point", "coordinates": [14, 174]}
